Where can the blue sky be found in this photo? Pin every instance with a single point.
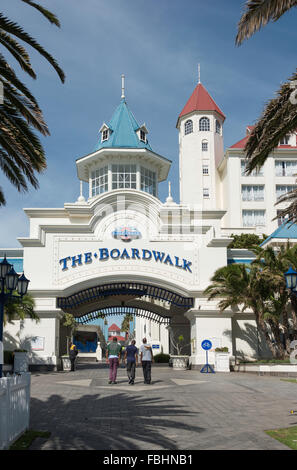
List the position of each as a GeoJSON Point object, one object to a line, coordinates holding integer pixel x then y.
{"type": "Point", "coordinates": [157, 45]}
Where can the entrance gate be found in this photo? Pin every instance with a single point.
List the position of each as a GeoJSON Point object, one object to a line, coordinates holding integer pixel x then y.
{"type": "Point", "coordinates": [147, 301]}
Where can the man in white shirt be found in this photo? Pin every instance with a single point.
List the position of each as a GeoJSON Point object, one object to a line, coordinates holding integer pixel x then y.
{"type": "Point", "coordinates": [146, 358]}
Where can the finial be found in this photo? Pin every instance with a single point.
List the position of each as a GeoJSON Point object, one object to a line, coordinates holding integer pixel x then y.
{"type": "Point", "coordinates": [169, 199]}
{"type": "Point", "coordinates": [123, 86]}
{"type": "Point", "coordinates": [199, 81]}
{"type": "Point", "coordinates": [81, 198]}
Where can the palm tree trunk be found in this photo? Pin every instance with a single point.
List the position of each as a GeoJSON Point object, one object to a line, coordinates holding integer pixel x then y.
{"type": "Point", "coordinates": [263, 327]}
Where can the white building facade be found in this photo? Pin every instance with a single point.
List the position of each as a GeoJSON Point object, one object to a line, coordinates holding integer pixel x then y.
{"type": "Point", "coordinates": [122, 250]}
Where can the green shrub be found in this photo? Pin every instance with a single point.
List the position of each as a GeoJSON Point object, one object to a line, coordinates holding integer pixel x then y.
{"type": "Point", "coordinates": [225, 349]}
{"type": "Point", "coordinates": [8, 357]}
{"type": "Point", "coordinates": [161, 358]}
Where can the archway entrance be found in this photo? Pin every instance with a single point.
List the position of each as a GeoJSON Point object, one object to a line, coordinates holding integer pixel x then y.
{"type": "Point", "coordinates": [145, 301]}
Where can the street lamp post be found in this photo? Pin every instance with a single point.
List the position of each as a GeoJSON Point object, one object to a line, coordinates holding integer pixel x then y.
{"type": "Point", "coordinates": [9, 282]}
{"type": "Point", "coordinates": [291, 279]}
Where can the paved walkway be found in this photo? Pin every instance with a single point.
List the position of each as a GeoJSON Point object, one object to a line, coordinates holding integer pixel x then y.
{"type": "Point", "coordinates": [179, 410]}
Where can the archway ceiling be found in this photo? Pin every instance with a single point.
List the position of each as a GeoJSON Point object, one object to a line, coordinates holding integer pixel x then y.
{"type": "Point", "coordinates": [148, 297]}
{"type": "Point", "coordinates": [120, 310]}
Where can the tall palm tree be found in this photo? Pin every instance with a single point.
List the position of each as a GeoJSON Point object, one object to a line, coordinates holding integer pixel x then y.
{"type": "Point", "coordinates": [279, 117]}
{"type": "Point", "coordinates": [21, 152]}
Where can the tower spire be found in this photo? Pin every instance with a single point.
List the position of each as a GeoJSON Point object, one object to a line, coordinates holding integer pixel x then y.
{"type": "Point", "coordinates": [199, 81]}
{"type": "Point", "coordinates": [123, 86]}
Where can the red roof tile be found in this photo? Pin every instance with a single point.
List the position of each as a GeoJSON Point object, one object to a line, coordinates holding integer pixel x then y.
{"type": "Point", "coordinates": [119, 338]}
{"type": "Point", "coordinates": [200, 100]}
{"type": "Point", "coordinates": [242, 143]}
{"type": "Point", "coordinates": [114, 327]}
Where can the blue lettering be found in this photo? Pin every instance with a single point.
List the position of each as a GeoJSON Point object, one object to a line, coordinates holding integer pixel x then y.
{"type": "Point", "coordinates": [88, 257]}
{"type": "Point", "coordinates": [144, 252]}
{"type": "Point", "coordinates": [135, 253]}
{"type": "Point", "coordinates": [177, 261]}
{"type": "Point", "coordinates": [125, 254]}
{"type": "Point", "coordinates": [168, 260]}
{"type": "Point", "coordinates": [187, 265]}
{"type": "Point", "coordinates": [103, 253]}
{"type": "Point", "coordinates": [64, 261]}
{"type": "Point", "coordinates": [117, 255]}
{"type": "Point", "coordinates": [76, 260]}
{"type": "Point", "coordinates": [158, 256]}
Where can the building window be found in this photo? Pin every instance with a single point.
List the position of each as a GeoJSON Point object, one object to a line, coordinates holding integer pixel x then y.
{"type": "Point", "coordinates": [188, 127]}
{"type": "Point", "coordinates": [204, 146]}
{"type": "Point", "coordinates": [99, 181]}
{"type": "Point", "coordinates": [105, 135]}
{"type": "Point", "coordinates": [205, 192]}
{"type": "Point", "coordinates": [252, 218]}
{"type": "Point", "coordinates": [284, 140]}
{"type": "Point", "coordinates": [148, 181]}
{"type": "Point", "coordinates": [285, 168]}
{"type": "Point", "coordinates": [255, 172]}
{"type": "Point", "coordinates": [252, 193]}
{"type": "Point", "coordinates": [142, 135]}
{"type": "Point", "coordinates": [218, 127]}
{"type": "Point", "coordinates": [123, 176]}
{"type": "Point", "coordinates": [284, 189]}
{"type": "Point", "coordinates": [205, 170]}
{"type": "Point", "coordinates": [204, 124]}
{"type": "Point", "coordinates": [280, 218]}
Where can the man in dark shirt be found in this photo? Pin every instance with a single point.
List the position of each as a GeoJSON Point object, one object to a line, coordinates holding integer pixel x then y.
{"type": "Point", "coordinates": [131, 356]}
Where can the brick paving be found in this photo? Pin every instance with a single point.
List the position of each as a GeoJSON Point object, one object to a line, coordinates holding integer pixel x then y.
{"type": "Point", "coordinates": [179, 410]}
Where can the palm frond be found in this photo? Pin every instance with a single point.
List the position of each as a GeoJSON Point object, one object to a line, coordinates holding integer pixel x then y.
{"type": "Point", "coordinates": [258, 13]}
{"type": "Point", "coordinates": [18, 52]}
{"type": "Point", "coordinates": [278, 119]}
{"type": "Point", "coordinates": [46, 13]}
{"type": "Point", "coordinates": [13, 28]}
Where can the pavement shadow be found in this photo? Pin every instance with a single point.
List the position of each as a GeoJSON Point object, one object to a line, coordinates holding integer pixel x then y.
{"type": "Point", "coordinates": [112, 422]}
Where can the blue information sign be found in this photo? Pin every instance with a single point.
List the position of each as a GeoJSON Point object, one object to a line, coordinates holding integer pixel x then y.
{"type": "Point", "coordinates": [206, 344]}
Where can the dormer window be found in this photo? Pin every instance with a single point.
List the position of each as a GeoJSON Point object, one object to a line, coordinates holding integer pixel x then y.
{"type": "Point", "coordinates": [142, 135]}
{"type": "Point", "coordinates": [141, 132]}
{"type": "Point", "coordinates": [105, 132]}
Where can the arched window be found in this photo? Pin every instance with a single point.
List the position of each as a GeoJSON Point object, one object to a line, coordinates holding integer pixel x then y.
{"type": "Point", "coordinates": [218, 127]}
{"type": "Point", "coordinates": [204, 124]}
{"type": "Point", "coordinates": [188, 127]}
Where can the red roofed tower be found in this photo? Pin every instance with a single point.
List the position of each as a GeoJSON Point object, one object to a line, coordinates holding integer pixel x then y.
{"type": "Point", "coordinates": [114, 331]}
{"type": "Point", "coordinates": [201, 148]}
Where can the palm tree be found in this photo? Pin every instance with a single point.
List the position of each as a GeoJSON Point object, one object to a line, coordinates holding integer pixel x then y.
{"type": "Point", "coordinates": [15, 310]}
{"type": "Point", "coordinates": [21, 152]}
{"type": "Point", "coordinates": [279, 117]}
{"type": "Point", "coordinates": [240, 287]}
{"type": "Point", "coordinates": [126, 322]}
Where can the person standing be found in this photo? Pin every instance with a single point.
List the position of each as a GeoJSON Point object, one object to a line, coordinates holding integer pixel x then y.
{"type": "Point", "coordinates": [131, 356]}
{"type": "Point", "coordinates": [146, 358]}
{"type": "Point", "coordinates": [113, 355]}
{"type": "Point", "coordinates": [72, 355]}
